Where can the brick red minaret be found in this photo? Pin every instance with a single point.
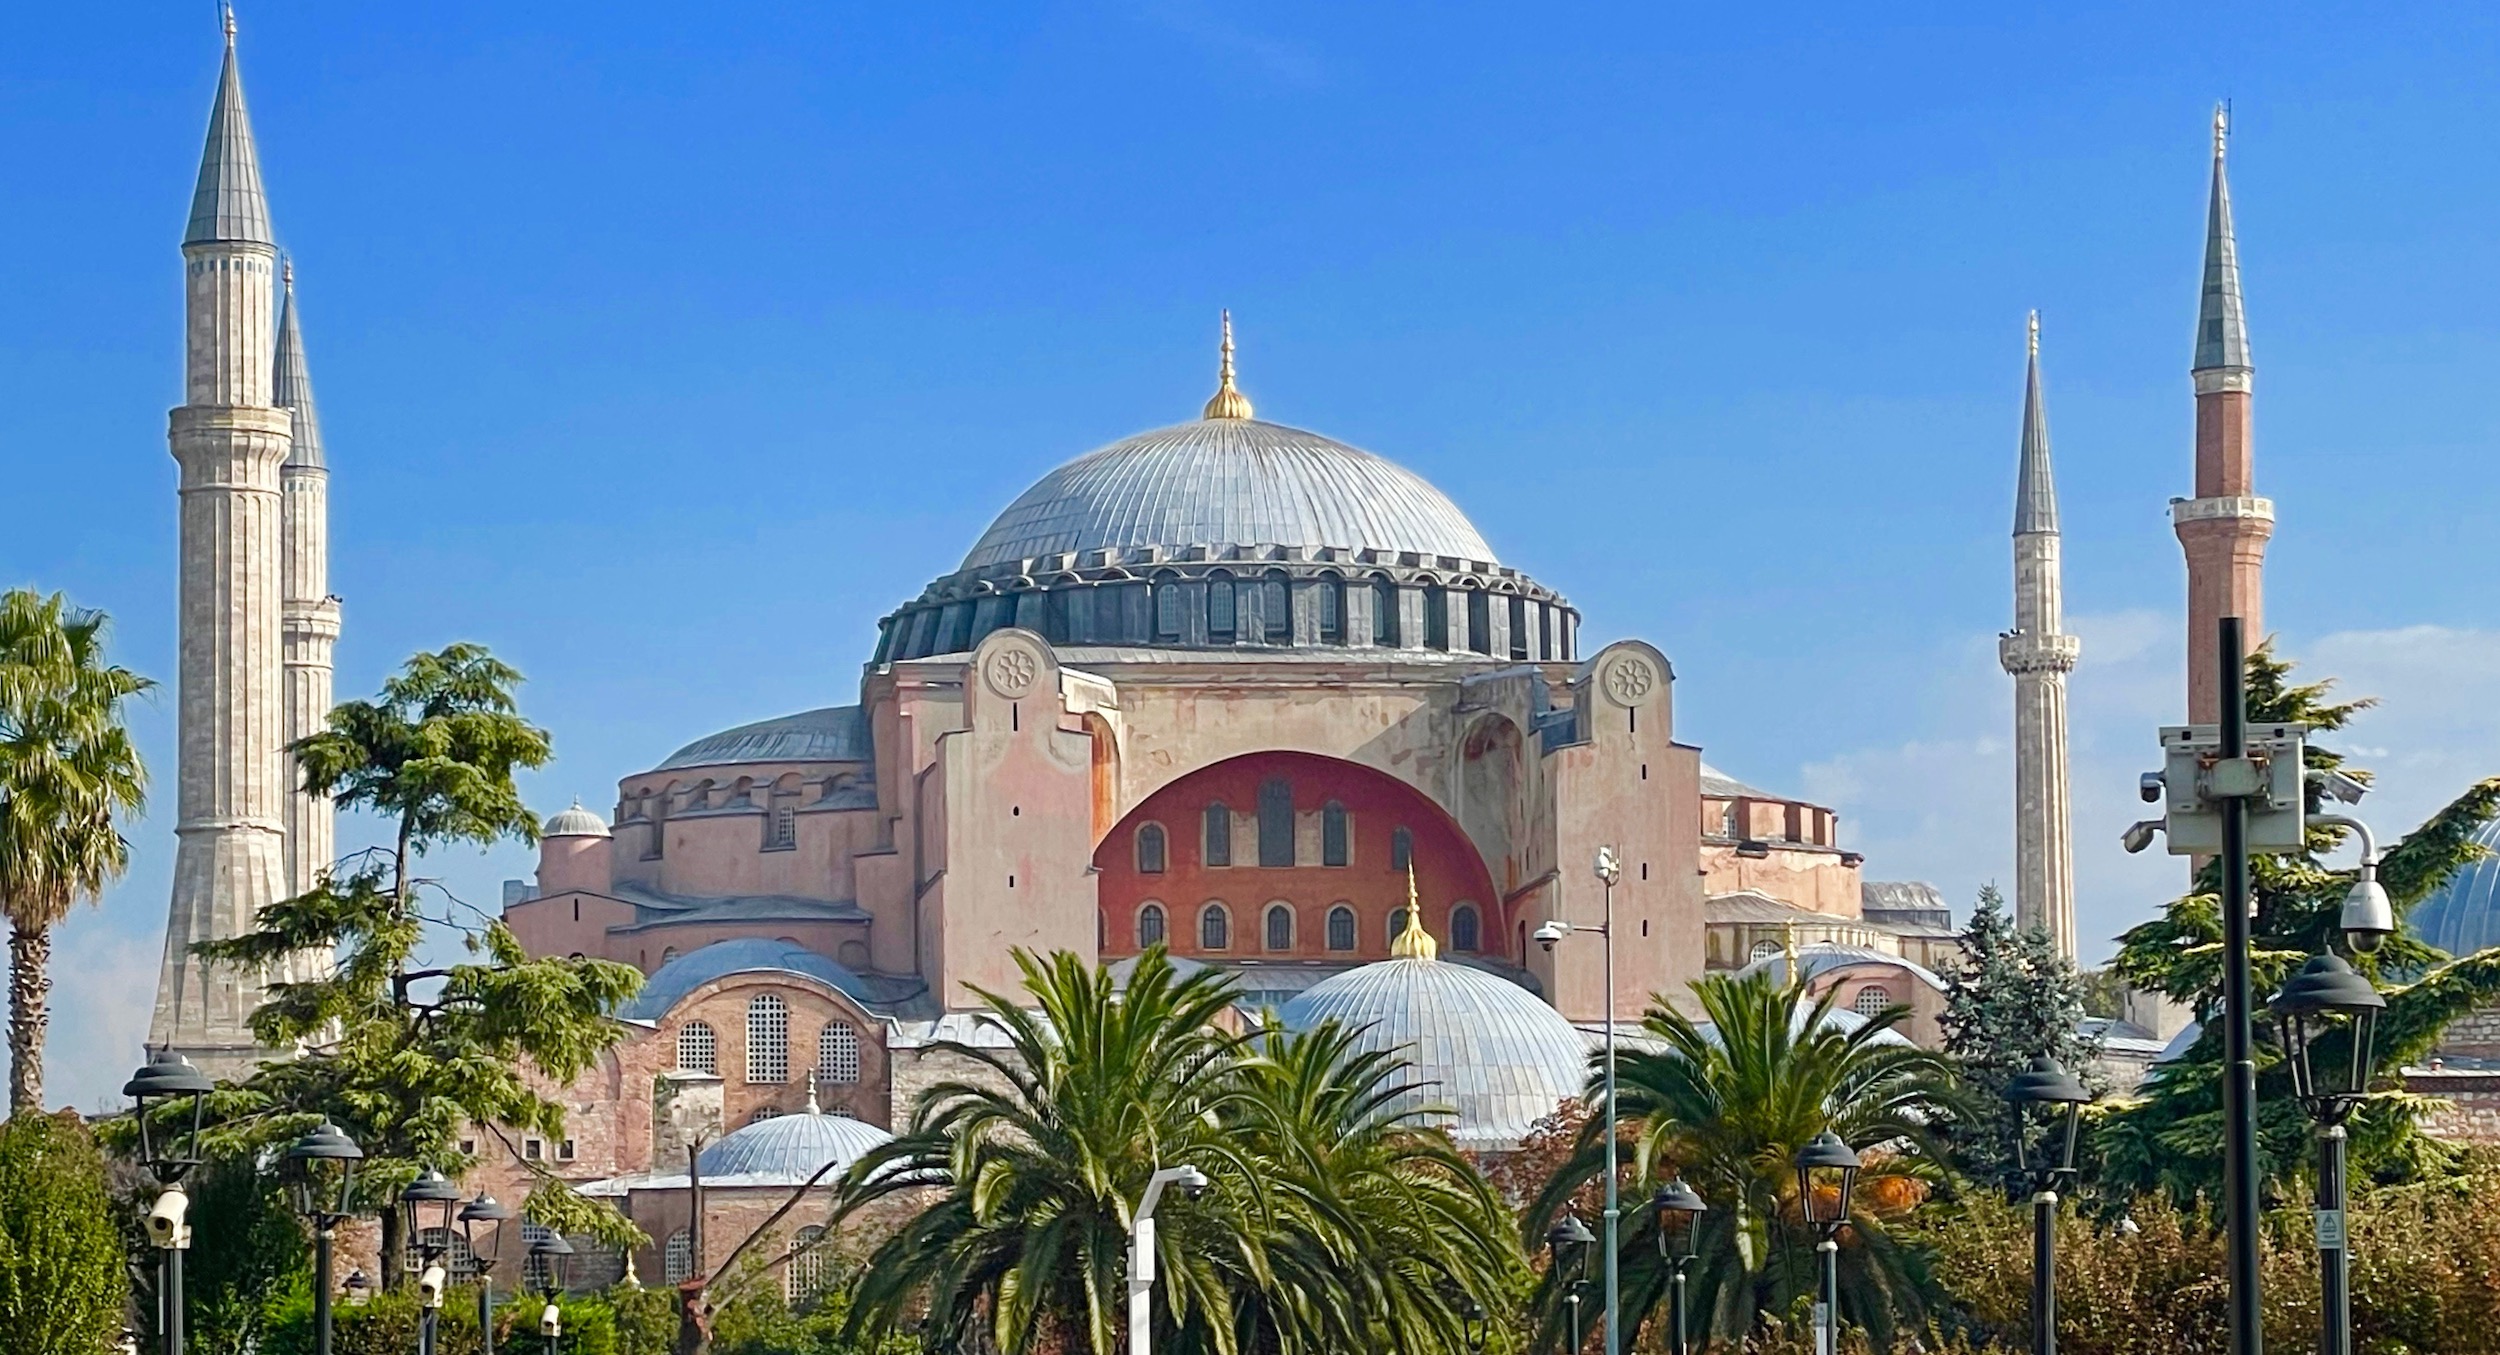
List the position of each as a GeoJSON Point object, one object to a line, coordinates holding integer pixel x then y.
{"type": "Point", "coordinates": [2225, 527]}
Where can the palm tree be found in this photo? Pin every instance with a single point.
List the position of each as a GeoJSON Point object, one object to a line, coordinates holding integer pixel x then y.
{"type": "Point", "coordinates": [1727, 1101]}
{"type": "Point", "coordinates": [68, 771]}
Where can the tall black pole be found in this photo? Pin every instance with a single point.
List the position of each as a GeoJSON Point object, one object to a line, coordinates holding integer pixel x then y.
{"type": "Point", "coordinates": [2239, 1087]}
{"type": "Point", "coordinates": [173, 1301]}
{"type": "Point", "coordinates": [2044, 1273]}
{"type": "Point", "coordinates": [1827, 1324]}
{"type": "Point", "coordinates": [1678, 1335]}
{"type": "Point", "coordinates": [486, 1307]}
{"type": "Point", "coordinates": [2334, 1263]}
{"type": "Point", "coordinates": [321, 1288]}
{"type": "Point", "coordinates": [427, 1319]}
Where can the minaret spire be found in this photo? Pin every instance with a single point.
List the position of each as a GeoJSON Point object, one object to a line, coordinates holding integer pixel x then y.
{"type": "Point", "coordinates": [309, 616]}
{"type": "Point", "coordinates": [2038, 654]}
{"type": "Point", "coordinates": [2224, 529]}
{"type": "Point", "coordinates": [227, 203]}
{"type": "Point", "coordinates": [1227, 402]}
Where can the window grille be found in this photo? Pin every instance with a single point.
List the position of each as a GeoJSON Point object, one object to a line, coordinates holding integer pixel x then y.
{"type": "Point", "coordinates": [1279, 927]}
{"type": "Point", "coordinates": [785, 833]}
{"type": "Point", "coordinates": [698, 1047]}
{"type": "Point", "coordinates": [458, 1261]}
{"type": "Point", "coordinates": [1341, 928]}
{"type": "Point", "coordinates": [1871, 1000]}
{"type": "Point", "coordinates": [1465, 931]}
{"type": "Point", "coordinates": [1168, 602]}
{"type": "Point", "coordinates": [837, 1053]}
{"type": "Point", "coordinates": [810, 1268]}
{"type": "Point", "coordinates": [1385, 612]}
{"type": "Point", "coordinates": [1334, 849]}
{"type": "Point", "coordinates": [1150, 926]}
{"type": "Point", "coordinates": [534, 1264]}
{"type": "Point", "coordinates": [677, 1258]}
{"type": "Point", "coordinates": [1279, 606]}
{"type": "Point", "coordinates": [1764, 950]}
{"type": "Point", "coordinates": [1215, 927]}
{"type": "Point", "coordinates": [1220, 600]}
{"type": "Point", "coordinates": [1331, 599]}
{"type": "Point", "coordinates": [768, 1038]}
{"type": "Point", "coordinates": [1275, 823]}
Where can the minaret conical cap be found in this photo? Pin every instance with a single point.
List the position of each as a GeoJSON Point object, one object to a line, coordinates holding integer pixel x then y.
{"type": "Point", "coordinates": [1227, 402]}
{"type": "Point", "coordinates": [2035, 488]}
{"type": "Point", "coordinates": [2221, 322]}
{"type": "Point", "coordinates": [227, 205]}
{"type": "Point", "coordinates": [291, 389]}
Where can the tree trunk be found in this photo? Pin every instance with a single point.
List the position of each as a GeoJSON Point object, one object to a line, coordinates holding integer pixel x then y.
{"type": "Point", "coordinates": [30, 1015]}
{"type": "Point", "coordinates": [394, 1273]}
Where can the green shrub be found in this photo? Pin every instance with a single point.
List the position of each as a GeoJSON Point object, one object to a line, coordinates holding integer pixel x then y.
{"type": "Point", "coordinates": [63, 1285]}
{"type": "Point", "coordinates": [617, 1322]}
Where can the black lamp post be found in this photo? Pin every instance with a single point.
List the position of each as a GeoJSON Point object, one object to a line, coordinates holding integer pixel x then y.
{"type": "Point", "coordinates": [321, 1167]}
{"type": "Point", "coordinates": [1475, 1326]}
{"type": "Point", "coordinates": [425, 1210]}
{"type": "Point", "coordinates": [485, 1209]}
{"type": "Point", "coordinates": [2050, 1163]}
{"type": "Point", "coordinates": [2330, 1089]}
{"type": "Point", "coordinates": [549, 1253]}
{"type": "Point", "coordinates": [169, 1152]}
{"type": "Point", "coordinates": [1827, 1174]}
{"type": "Point", "coordinates": [1677, 1209]}
{"type": "Point", "coordinates": [1569, 1233]}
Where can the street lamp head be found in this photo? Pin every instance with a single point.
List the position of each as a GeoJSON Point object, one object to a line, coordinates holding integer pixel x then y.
{"type": "Point", "coordinates": [2139, 835]}
{"type": "Point", "coordinates": [1677, 1209]}
{"type": "Point", "coordinates": [2046, 1083]}
{"type": "Point", "coordinates": [1568, 1231]}
{"type": "Point", "coordinates": [2368, 916]}
{"type": "Point", "coordinates": [166, 1078]}
{"type": "Point", "coordinates": [427, 1205]}
{"type": "Point", "coordinates": [1550, 935]}
{"type": "Point", "coordinates": [550, 1254]}
{"type": "Point", "coordinates": [2327, 988]}
{"type": "Point", "coordinates": [322, 1171]}
{"type": "Point", "coordinates": [1827, 1174]}
{"type": "Point", "coordinates": [1193, 1182]}
{"type": "Point", "coordinates": [484, 1209]}
{"type": "Point", "coordinates": [1609, 865]}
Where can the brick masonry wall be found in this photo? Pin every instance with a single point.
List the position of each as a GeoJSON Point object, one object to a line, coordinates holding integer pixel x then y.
{"type": "Point", "coordinates": [2472, 1110]}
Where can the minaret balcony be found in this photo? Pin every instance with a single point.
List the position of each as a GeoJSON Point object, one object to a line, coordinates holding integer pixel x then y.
{"type": "Point", "coordinates": [2021, 653]}
{"type": "Point", "coordinates": [2184, 511]}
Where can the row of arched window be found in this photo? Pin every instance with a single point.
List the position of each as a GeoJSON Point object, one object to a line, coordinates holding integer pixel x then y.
{"type": "Point", "coordinates": [1276, 835]}
{"type": "Point", "coordinates": [807, 1274]}
{"type": "Point", "coordinates": [768, 1045]}
{"type": "Point", "coordinates": [1280, 921]}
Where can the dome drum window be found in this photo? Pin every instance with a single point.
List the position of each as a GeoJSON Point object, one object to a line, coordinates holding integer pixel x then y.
{"type": "Point", "coordinates": [837, 1054]}
{"type": "Point", "coordinates": [768, 1038]}
{"type": "Point", "coordinates": [698, 1047]}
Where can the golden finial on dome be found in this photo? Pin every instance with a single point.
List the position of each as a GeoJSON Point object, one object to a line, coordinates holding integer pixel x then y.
{"type": "Point", "coordinates": [1413, 943]}
{"type": "Point", "coordinates": [2222, 127]}
{"type": "Point", "coordinates": [1227, 402]}
{"type": "Point", "coordinates": [2035, 334]}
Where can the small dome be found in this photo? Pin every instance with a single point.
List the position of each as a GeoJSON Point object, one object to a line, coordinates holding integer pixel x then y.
{"type": "Point", "coordinates": [1478, 1042]}
{"type": "Point", "coordinates": [2463, 915]}
{"type": "Point", "coordinates": [575, 822]}
{"type": "Point", "coordinates": [1229, 482]}
{"type": "Point", "coordinates": [786, 1150]}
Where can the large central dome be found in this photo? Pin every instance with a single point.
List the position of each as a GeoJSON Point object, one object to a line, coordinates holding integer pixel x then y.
{"type": "Point", "coordinates": [1229, 482]}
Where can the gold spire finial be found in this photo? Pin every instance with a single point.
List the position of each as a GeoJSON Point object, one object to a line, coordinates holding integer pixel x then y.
{"type": "Point", "coordinates": [2222, 127]}
{"type": "Point", "coordinates": [812, 1107]}
{"type": "Point", "coordinates": [229, 9]}
{"type": "Point", "coordinates": [1413, 942]}
{"type": "Point", "coordinates": [2035, 334]}
{"type": "Point", "coordinates": [1227, 402]}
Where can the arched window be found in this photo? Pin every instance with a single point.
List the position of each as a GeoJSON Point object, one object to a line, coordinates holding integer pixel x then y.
{"type": "Point", "coordinates": [1871, 1000]}
{"type": "Point", "coordinates": [1341, 928]}
{"type": "Point", "coordinates": [1764, 950]}
{"type": "Point", "coordinates": [1518, 626]}
{"type": "Point", "coordinates": [677, 1258]}
{"type": "Point", "coordinates": [698, 1047]}
{"type": "Point", "coordinates": [1278, 602]}
{"type": "Point", "coordinates": [1465, 932]}
{"type": "Point", "coordinates": [534, 1262]}
{"type": "Point", "coordinates": [1436, 617]}
{"type": "Point", "coordinates": [762, 1113]}
{"type": "Point", "coordinates": [1150, 926]}
{"type": "Point", "coordinates": [1219, 834]}
{"type": "Point", "coordinates": [1385, 612]}
{"type": "Point", "coordinates": [1334, 849]}
{"type": "Point", "coordinates": [1479, 621]}
{"type": "Point", "coordinates": [811, 1265]}
{"type": "Point", "coordinates": [1150, 849]}
{"type": "Point", "coordinates": [768, 1038]}
{"type": "Point", "coordinates": [1397, 923]}
{"type": "Point", "coordinates": [1168, 606]}
{"type": "Point", "coordinates": [667, 953]}
{"type": "Point", "coordinates": [1220, 607]}
{"type": "Point", "coordinates": [1279, 926]}
{"type": "Point", "coordinates": [1330, 595]}
{"type": "Point", "coordinates": [837, 1054]}
{"type": "Point", "coordinates": [1275, 822]}
{"type": "Point", "coordinates": [1401, 849]}
{"type": "Point", "coordinates": [1544, 632]}
{"type": "Point", "coordinates": [1215, 927]}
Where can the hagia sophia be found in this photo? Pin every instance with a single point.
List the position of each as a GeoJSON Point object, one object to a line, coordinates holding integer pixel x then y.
{"type": "Point", "coordinates": [1228, 686]}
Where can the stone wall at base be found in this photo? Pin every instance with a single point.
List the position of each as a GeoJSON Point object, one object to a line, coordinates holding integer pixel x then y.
{"type": "Point", "coordinates": [2472, 1110]}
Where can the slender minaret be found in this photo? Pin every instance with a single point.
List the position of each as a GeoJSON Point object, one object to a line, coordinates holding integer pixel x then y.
{"type": "Point", "coordinates": [2038, 654]}
{"type": "Point", "coordinates": [2225, 527]}
{"type": "Point", "coordinates": [309, 616]}
{"type": "Point", "coordinates": [230, 439]}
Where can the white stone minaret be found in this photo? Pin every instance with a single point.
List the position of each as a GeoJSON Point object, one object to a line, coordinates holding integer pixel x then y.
{"type": "Point", "coordinates": [2039, 654]}
{"type": "Point", "coordinates": [230, 439]}
{"type": "Point", "coordinates": [309, 615]}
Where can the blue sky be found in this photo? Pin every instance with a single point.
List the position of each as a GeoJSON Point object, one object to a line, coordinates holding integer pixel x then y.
{"type": "Point", "coordinates": [663, 348]}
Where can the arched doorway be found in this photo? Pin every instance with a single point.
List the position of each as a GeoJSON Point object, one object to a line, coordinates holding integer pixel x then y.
{"type": "Point", "coordinates": [1300, 858]}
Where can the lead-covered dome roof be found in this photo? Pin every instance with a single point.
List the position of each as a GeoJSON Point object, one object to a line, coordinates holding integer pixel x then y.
{"type": "Point", "coordinates": [1479, 1044]}
{"type": "Point", "coordinates": [2463, 915]}
{"type": "Point", "coordinates": [788, 1150]}
{"type": "Point", "coordinates": [1229, 482]}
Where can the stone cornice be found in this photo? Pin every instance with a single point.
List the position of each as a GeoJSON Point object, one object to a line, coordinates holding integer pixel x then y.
{"type": "Point", "coordinates": [2184, 511]}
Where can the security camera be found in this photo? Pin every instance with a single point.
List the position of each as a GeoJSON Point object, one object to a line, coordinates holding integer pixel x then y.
{"type": "Point", "coordinates": [1550, 935]}
{"type": "Point", "coordinates": [1193, 1182]}
{"type": "Point", "coordinates": [2338, 786]}
{"type": "Point", "coordinates": [2150, 786]}
{"type": "Point", "coordinates": [2369, 917]}
{"type": "Point", "coordinates": [2139, 835]}
{"type": "Point", "coordinates": [551, 1321]}
{"type": "Point", "coordinates": [430, 1287]}
{"type": "Point", "coordinates": [165, 1220]}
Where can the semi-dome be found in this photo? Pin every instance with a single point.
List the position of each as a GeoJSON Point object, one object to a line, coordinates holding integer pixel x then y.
{"type": "Point", "coordinates": [2463, 915]}
{"type": "Point", "coordinates": [671, 982]}
{"type": "Point", "coordinates": [833, 734]}
{"type": "Point", "coordinates": [1229, 482]}
{"type": "Point", "coordinates": [1478, 1043]}
{"type": "Point", "coordinates": [788, 1150]}
{"type": "Point", "coordinates": [575, 822]}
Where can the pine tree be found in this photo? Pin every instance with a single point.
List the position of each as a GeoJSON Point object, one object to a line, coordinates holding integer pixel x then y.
{"type": "Point", "coordinates": [2013, 998]}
